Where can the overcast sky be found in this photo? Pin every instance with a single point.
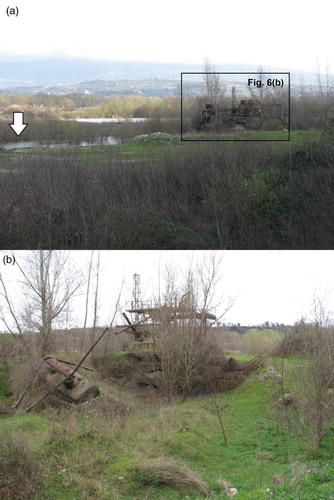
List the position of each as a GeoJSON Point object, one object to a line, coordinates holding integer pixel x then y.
{"type": "Point", "coordinates": [275, 286]}
{"type": "Point", "coordinates": [286, 34]}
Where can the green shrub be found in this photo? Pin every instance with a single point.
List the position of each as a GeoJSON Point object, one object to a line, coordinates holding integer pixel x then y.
{"type": "Point", "coordinates": [273, 124]}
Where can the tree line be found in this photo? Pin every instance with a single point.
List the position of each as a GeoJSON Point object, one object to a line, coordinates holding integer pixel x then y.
{"type": "Point", "coordinates": [309, 109]}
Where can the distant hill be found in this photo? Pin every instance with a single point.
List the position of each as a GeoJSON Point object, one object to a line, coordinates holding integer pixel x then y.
{"type": "Point", "coordinates": [147, 88]}
{"type": "Point", "coordinates": [66, 71]}
{"type": "Point", "coordinates": [65, 75]}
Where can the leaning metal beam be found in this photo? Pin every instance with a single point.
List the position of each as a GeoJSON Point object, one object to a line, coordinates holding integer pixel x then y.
{"type": "Point", "coordinates": [75, 369]}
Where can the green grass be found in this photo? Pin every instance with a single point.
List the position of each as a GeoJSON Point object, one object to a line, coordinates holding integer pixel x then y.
{"type": "Point", "coordinates": [129, 152]}
{"type": "Point", "coordinates": [242, 357]}
{"type": "Point", "coordinates": [85, 453]}
{"type": "Point", "coordinates": [251, 135]}
{"type": "Point", "coordinates": [160, 145]}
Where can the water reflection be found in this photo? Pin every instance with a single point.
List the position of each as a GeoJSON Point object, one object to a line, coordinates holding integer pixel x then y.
{"type": "Point", "coordinates": [105, 141]}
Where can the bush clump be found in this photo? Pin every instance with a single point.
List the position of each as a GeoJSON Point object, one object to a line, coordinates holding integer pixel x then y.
{"type": "Point", "coordinates": [273, 124]}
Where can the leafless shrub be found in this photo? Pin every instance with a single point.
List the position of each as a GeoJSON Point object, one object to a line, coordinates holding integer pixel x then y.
{"type": "Point", "coordinates": [294, 342]}
{"type": "Point", "coordinates": [310, 381]}
{"type": "Point", "coordinates": [217, 405]}
{"type": "Point", "coordinates": [195, 196]}
{"type": "Point", "coordinates": [25, 373]}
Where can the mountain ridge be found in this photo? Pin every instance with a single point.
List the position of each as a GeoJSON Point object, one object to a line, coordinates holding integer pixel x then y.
{"type": "Point", "coordinates": [66, 71]}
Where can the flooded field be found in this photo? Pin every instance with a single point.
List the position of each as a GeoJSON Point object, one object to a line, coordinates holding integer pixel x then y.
{"type": "Point", "coordinates": [104, 141]}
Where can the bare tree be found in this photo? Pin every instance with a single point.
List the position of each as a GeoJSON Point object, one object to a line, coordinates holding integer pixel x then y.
{"type": "Point", "coordinates": [310, 382]}
{"type": "Point", "coordinates": [89, 276]}
{"type": "Point", "coordinates": [216, 403]}
{"type": "Point", "coordinates": [258, 93]}
{"type": "Point", "coordinates": [182, 351]}
{"type": "Point", "coordinates": [47, 284]}
{"type": "Point", "coordinates": [214, 90]}
{"type": "Point", "coordinates": [326, 89]}
{"type": "Point", "coordinates": [96, 294]}
{"type": "Point", "coordinates": [313, 384]}
{"type": "Point", "coordinates": [88, 288]}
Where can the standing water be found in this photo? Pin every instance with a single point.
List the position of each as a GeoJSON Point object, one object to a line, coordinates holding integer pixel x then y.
{"type": "Point", "coordinates": [106, 141]}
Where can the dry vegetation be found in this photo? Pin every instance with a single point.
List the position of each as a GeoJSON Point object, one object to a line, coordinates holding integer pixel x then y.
{"type": "Point", "coordinates": [20, 469]}
{"type": "Point", "coordinates": [130, 443]}
{"type": "Point", "coordinates": [168, 472]}
{"type": "Point", "coordinates": [180, 196]}
{"type": "Point", "coordinates": [308, 410]}
{"type": "Point", "coordinates": [160, 193]}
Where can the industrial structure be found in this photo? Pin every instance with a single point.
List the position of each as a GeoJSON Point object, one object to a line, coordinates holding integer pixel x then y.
{"type": "Point", "coordinates": [248, 113]}
{"type": "Point", "coordinates": [145, 321]}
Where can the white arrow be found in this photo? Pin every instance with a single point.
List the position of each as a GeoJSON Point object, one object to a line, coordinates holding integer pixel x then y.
{"type": "Point", "coordinates": [18, 124]}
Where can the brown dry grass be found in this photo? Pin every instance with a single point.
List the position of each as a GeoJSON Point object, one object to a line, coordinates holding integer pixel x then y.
{"type": "Point", "coordinates": [168, 472]}
{"type": "Point", "coordinates": [20, 470]}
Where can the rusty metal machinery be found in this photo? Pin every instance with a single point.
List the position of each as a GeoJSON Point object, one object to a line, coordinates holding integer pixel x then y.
{"type": "Point", "coordinates": [68, 384]}
{"type": "Point", "coordinates": [153, 319]}
{"type": "Point", "coordinates": [74, 387]}
{"type": "Point", "coordinates": [249, 113]}
{"type": "Point", "coordinates": [241, 114]}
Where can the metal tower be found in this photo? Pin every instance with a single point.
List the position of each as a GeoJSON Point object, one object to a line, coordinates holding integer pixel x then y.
{"type": "Point", "coordinates": [136, 294]}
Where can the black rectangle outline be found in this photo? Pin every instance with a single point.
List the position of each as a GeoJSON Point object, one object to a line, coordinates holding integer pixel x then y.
{"type": "Point", "coordinates": [239, 73]}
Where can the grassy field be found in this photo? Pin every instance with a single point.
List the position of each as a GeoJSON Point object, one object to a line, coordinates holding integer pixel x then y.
{"type": "Point", "coordinates": [93, 450]}
{"type": "Point", "coordinates": [250, 135]}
